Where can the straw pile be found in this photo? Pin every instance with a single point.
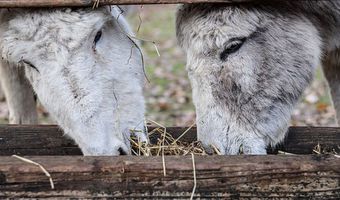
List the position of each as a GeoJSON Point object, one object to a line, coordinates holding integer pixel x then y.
{"type": "Point", "coordinates": [166, 145]}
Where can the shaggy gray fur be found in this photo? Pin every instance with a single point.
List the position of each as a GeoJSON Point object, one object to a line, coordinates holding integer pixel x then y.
{"type": "Point", "coordinates": [249, 64]}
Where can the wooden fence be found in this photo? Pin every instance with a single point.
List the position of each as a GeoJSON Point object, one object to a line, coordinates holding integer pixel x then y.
{"type": "Point", "coordinates": [49, 140]}
{"type": "Point", "coordinates": [67, 3]}
{"type": "Point", "coordinates": [75, 176]}
{"type": "Point", "coordinates": [52, 158]}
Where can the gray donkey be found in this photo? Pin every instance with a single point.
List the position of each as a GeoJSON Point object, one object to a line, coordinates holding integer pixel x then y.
{"type": "Point", "coordinates": [249, 64]}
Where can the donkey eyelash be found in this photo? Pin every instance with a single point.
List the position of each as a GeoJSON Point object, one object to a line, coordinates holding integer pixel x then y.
{"type": "Point", "coordinates": [27, 63]}
{"type": "Point", "coordinates": [232, 46]}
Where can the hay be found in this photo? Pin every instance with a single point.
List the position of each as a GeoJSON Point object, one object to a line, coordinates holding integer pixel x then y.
{"type": "Point", "coordinates": [318, 149]}
{"type": "Point", "coordinates": [134, 40]}
{"type": "Point", "coordinates": [195, 179]}
{"type": "Point", "coordinates": [285, 153]}
{"type": "Point", "coordinates": [95, 4]}
{"type": "Point", "coordinates": [39, 165]}
{"type": "Point", "coordinates": [166, 144]}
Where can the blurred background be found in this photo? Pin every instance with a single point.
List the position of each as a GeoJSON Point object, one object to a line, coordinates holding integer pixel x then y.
{"type": "Point", "coordinates": [168, 95]}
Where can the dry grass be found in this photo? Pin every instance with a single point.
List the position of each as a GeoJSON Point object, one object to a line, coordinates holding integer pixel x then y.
{"type": "Point", "coordinates": [166, 145]}
{"type": "Point", "coordinates": [39, 165]}
{"type": "Point", "coordinates": [318, 149]}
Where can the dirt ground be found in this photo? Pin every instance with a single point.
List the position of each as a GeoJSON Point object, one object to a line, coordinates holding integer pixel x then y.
{"type": "Point", "coordinates": [168, 95]}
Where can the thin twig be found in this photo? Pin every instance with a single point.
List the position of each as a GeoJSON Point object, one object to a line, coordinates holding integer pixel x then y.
{"type": "Point", "coordinates": [96, 4]}
{"type": "Point", "coordinates": [188, 129]}
{"type": "Point", "coordinates": [218, 152]}
{"type": "Point", "coordinates": [140, 20]}
{"type": "Point", "coordinates": [37, 164]}
{"type": "Point", "coordinates": [285, 153]}
{"type": "Point", "coordinates": [163, 162]}
{"type": "Point", "coordinates": [162, 149]}
{"type": "Point", "coordinates": [317, 149]}
{"type": "Point", "coordinates": [194, 172]}
{"type": "Point", "coordinates": [131, 38]}
{"type": "Point", "coordinates": [145, 40]}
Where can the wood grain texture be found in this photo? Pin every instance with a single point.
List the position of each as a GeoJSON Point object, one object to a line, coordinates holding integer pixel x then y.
{"type": "Point", "coordinates": [49, 140]}
{"type": "Point", "coordinates": [235, 177]}
{"type": "Point", "coordinates": [82, 3]}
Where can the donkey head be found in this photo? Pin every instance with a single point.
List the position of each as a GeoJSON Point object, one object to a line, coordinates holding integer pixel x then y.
{"type": "Point", "coordinates": [86, 71]}
{"type": "Point", "coordinates": [248, 67]}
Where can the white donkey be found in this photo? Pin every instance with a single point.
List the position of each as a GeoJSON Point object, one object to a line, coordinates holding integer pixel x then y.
{"type": "Point", "coordinates": [83, 66]}
{"type": "Point", "coordinates": [249, 64]}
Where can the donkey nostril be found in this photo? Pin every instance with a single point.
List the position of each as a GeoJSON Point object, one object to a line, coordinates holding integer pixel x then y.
{"type": "Point", "coordinates": [121, 151]}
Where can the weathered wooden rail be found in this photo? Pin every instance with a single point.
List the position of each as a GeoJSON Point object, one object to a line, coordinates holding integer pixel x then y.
{"type": "Point", "coordinates": [217, 177]}
{"type": "Point", "coordinates": [49, 140]}
{"type": "Point", "coordinates": [127, 177]}
{"type": "Point", "coordinates": [87, 3]}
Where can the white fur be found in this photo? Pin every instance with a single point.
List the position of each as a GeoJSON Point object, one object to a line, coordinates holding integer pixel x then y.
{"type": "Point", "coordinates": [94, 94]}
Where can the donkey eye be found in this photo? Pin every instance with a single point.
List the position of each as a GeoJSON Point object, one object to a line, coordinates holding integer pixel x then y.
{"type": "Point", "coordinates": [97, 37]}
{"type": "Point", "coordinates": [232, 47]}
{"type": "Point", "coordinates": [29, 64]}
